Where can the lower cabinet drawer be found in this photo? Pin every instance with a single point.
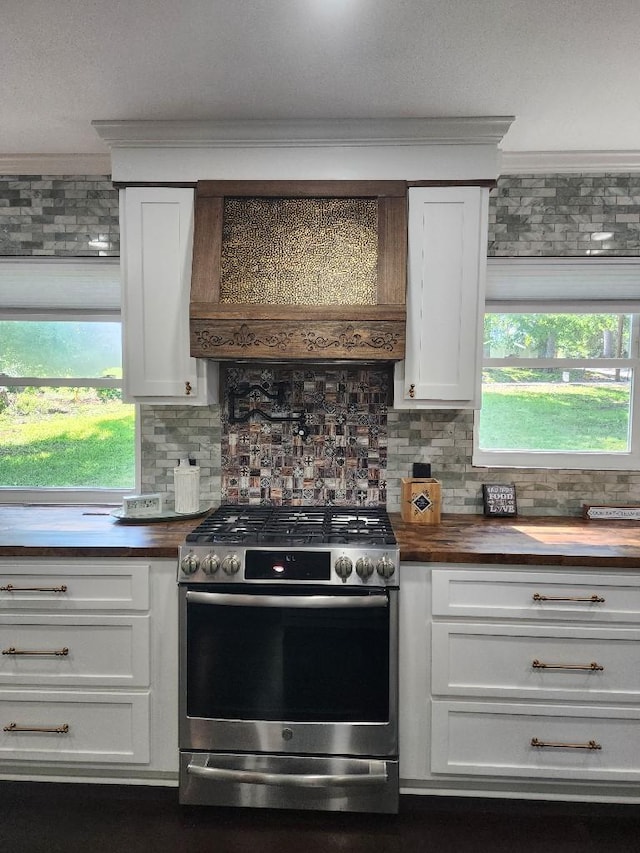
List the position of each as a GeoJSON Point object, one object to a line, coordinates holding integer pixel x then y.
{"type": "Point", "coordinates": [89, 651]}
{"type": "Point", "coordinates": [74, 727]}
{"type": "Point", "coordinates": [71, 586]}
{"type": "Point", "coordinates": [537, 741]}
{"type": "Point", "coordinates": [534, 662]}
{"type": "Point", "coordinates": [587, 596]}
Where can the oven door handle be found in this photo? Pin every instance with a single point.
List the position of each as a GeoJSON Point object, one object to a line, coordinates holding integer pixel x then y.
{"type": "Point", "coordinates": [378, 776]}
{"type": "Point", "coordinates": [301, 601]}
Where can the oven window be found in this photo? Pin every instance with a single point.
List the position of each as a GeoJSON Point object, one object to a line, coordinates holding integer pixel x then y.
{"type": "Point", "coordinates": [289, 664]}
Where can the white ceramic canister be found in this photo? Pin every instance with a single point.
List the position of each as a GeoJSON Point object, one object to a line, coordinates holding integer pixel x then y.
{"type": "Point", "coordinates": [186, 484]}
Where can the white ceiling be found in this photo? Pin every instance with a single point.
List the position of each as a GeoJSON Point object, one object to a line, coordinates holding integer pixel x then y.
{"type": "Point", "coordinates": [568, 70]}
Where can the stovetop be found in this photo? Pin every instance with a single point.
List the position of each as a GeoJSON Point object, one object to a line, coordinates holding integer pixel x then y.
{"type": "Point", "coordinates": [238, 545]}
{"type": "Point", "coordinates": [286, 526]}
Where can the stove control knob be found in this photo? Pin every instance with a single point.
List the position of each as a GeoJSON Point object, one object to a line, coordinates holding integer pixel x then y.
{"type": "Point", "coordinates": [364, 567]}
{"type": "Point", "coordinates": [231, 564]}
{"type": "Point", "coordinates": [189, 564]}
{"type": "Point", "coordinates": [385, 567]}
{"type": "Point", "coordinates": [344, 567]}
{"type": "Point", "coordinates": [210, 564]}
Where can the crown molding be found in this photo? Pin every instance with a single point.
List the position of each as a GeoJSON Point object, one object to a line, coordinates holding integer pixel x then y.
{"type": "Point", "coordinates": [138, 134]}
{"type": "Point", "coordinates": [303, 132]}
{"type": "Point", "coordinates": [548, 162]}
{"type": "Point", "coordinates": [55, 164]}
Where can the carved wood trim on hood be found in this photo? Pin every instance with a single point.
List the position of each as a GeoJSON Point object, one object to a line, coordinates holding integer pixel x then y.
{"type": "Point", "coordinates": [228, 329]}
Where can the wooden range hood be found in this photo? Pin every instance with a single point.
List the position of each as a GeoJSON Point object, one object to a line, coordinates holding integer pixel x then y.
{"type": "Point", "coordinates": [272, 279]}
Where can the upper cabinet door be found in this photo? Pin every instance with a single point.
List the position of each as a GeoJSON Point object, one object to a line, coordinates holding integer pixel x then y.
{"type": "Point", "coordinates": [156, 247]}
{"type": "Point", "coordinates": [445, 298]}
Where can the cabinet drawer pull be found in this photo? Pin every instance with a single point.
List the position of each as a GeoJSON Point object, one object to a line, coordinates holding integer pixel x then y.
{"type": "Point", "coordinates": [13, 651]}
{"type": "Point", "coordinates": [594, 599]}
{"type": "Point", "coordinates": [545, 744]}
{"type": "Point", "coordinates": [11, 588]}
{"type": "Point", "coordinates": [56, 730]}
{"type": "Point", "coordinates": [590, 667]}
{"type": "Point", "coordinates": [187, 388]}
{"type": "Point", "coordinates": [412, 391]}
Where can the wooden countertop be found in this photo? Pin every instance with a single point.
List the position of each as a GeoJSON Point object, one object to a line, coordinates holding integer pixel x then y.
{"type": "Point", "coordinates": [91, 531]}
{"type": "Point", "coordinates": [85, 531]}
{"type": "Point", "coordinates": [525, 540]}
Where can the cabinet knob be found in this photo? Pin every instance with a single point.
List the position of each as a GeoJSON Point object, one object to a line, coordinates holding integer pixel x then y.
{"type": "Point", "coordinates": [412, 391]}
{"type": "Point", "coordinates": [187, 388]}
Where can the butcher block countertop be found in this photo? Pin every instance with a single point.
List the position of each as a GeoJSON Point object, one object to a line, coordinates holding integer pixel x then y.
{"type": "Point", "coordinates": [526, 540]}
{"type": "Point", "coordinates": [85, 531]}
{"type": "Point", "coordinates": [91, 531]}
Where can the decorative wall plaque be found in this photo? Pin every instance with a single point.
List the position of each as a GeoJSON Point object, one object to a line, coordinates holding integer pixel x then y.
{"type": "Point", "coordinates": [499, 499]}
{"type": "Point", "coordinates": [612, 513]}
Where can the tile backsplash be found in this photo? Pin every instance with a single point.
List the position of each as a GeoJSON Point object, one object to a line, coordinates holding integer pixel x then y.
{"type": "Point", "coordinates": [553, 215]}
{"type": "Point", "coordinates": [62, 215]}
{"type": "Point", "coordinates": [557, 215]}
{"type": "Point", "coordinates": [341, 457]}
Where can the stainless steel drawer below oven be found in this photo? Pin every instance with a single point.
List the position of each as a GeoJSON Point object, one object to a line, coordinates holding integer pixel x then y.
{"type": "Point", "coordinates": [293, 782]}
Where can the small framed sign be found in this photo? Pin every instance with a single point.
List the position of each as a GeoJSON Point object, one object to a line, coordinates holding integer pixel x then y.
{"type": "Point", "coordinates": [599, 512]}
{"type": "Point", "coordinates": [499, 499]}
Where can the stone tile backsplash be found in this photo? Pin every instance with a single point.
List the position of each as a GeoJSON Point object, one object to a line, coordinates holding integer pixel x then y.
{"type": "Point", "coordinates": [58, 215]}
{"type": "Point", "coordinates": [357, 450]}
{"type": "Point", "coordinates": [555, 215]}
{"type": "Point", "coordinates": [340, 459]}
{"type": "Point", "coordinates": [445, 439]}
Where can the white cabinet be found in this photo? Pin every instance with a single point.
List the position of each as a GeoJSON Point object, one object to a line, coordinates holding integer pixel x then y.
{"type": "Point", "coordinates": [549, 742]}
{"type": "Point", "coordinates": [523, 681]}
{"type": "Point", "coordinates": [88, 669]}
{"type": "Point", "coordinates": [445, 299]}
{"type": "Point", "coordinates": [553, 661]}
{"type": "Point", "coordinates": [590, 596]}
{"type": "Point", "coordinates": [75, 650]}
{"type": "Point", "coordinates": [156, 246]}
{"type": "Point", "coordinates": [84, 728]}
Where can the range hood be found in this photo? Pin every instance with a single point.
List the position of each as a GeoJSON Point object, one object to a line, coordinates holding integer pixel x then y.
{"type": "Point", "coordinates": [299, 270]}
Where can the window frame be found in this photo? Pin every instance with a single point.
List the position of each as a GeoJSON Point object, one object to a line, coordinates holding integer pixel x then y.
{"type": "Point", "coordinates": [74, 278]}
{"type": "Point", "coordinates": [555, 286]}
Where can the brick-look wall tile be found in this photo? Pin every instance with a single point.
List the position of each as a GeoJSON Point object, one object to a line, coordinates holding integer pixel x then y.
{"type": "Point", "coordinates": [551, 215]}
{"type": "Point", "coordinates": [555, 215]}
{"type": "Point", "coordinates": [58, 215]}
{"type": "Point", "coordinates": [168, 433]}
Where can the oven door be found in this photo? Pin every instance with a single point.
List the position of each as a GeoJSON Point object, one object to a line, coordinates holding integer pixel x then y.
{"type": "Point", "coordinates": [295, 670]}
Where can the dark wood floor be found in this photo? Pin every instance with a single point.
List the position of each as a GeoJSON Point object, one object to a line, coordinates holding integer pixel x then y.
{"type": "Point", "coordinates": [69, 818]}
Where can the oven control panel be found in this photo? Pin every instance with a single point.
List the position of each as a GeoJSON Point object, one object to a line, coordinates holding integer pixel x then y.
{"type": "Point", "coordinates": [376, 567]}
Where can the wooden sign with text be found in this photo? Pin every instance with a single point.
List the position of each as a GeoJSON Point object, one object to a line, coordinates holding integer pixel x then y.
{"type": "Point", "coordinates": [600, 512]}
{"type": "Point", "coordinates": [499, 499]}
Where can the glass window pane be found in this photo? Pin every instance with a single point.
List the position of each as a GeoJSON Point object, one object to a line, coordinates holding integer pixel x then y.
{"type": "Point", "coordinates": [60, 348]}
{"type": "Point", "coordinates": [66, 437]}
{"type": "Point", "coordinates": [557, 335]}
{"type": "Point", "coordinates": [555, 410]}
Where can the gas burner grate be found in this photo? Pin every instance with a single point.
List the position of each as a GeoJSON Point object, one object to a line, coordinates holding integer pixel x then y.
{"type": "Point", "coordinates": [361, 526]}
{"type": "Point", "coordinates": [231, 524]}
{"type": "Point", "coordinates": [295, 526]}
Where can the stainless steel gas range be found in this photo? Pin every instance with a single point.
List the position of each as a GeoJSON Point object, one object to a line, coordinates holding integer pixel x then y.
{"type": "Point", "coordinates": [289, 659]}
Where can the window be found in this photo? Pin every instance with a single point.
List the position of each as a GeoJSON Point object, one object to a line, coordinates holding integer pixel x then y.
{"type": "Point", "coordinates": [561, 360]}
{"type": "Point", "coordinates": [65, 434]}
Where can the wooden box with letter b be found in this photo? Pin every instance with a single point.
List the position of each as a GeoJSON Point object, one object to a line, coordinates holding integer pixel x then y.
{"type": "Point", "coordinates": [420, 500]}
